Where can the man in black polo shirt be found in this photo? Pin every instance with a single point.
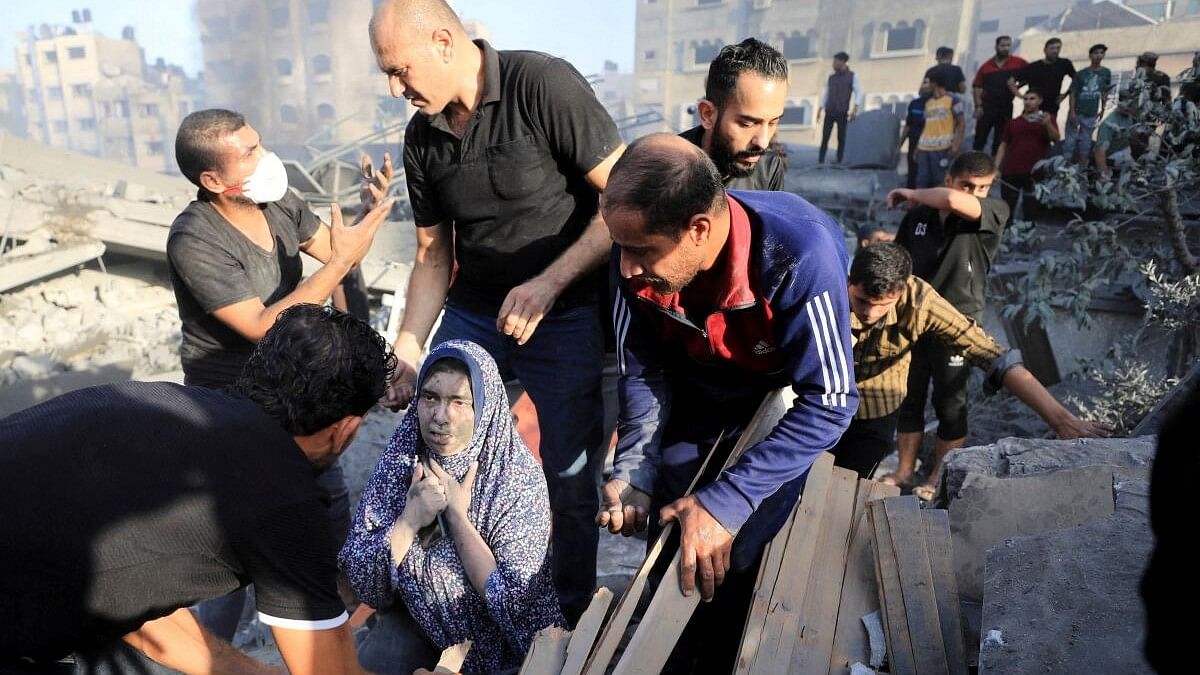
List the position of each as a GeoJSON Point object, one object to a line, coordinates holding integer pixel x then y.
{"type": "Point", "coordinates": [130, 502]}
{"type": "Point", "coordinates": [1045, 76]}
{"type": "Point", "coordinates": [233, 257]}
{"type": "Point", "coordinates": [744, 97]}
{"type": "Point", "coordinates": [952, 233]}
{"type": "Point", "coordinates": [951, 74]}
{"type": "Point", "coordinates": [504, 166]}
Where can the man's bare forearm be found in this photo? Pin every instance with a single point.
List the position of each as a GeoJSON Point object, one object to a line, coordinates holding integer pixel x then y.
{"type": "Point", "coordinates": [426, 294]}
{"type": "Point", "coordinates": [583, 256]}
{"type": "Point", "coordinates": [1022, 384]}
{"type": "Point", "coordinates": [178, 641]}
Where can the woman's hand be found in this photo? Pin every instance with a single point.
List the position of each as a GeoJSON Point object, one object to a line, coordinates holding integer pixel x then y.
{"type": "Point", "coordinates": [458, 495]}
{"type": "Point", "coordinates": [426, 498]}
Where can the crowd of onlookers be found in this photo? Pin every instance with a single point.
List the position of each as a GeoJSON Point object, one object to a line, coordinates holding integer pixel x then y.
{"type": "Point", "coordinates": [1094, 135]}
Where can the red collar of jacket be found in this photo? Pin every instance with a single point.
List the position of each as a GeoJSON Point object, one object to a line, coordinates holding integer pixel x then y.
{"type": "Point", "coordinates": [733, 290]}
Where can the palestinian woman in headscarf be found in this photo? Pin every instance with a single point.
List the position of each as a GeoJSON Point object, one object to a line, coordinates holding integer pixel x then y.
{"type": "Point", "coordinates": [453, 530]}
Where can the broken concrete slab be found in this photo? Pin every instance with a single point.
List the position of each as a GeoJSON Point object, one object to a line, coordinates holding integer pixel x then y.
{"type": "Point", "coordinates": [1131, 458]}
{"type": "Point", "coordinates": [1067, 601]}
{"type": "Point", "coordinates": [987, 510]}
{"type": "Point", "coordinates": [26, 270]}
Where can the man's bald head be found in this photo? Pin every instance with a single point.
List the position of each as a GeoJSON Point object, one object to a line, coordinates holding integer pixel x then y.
{"type": "Point", "coordinates": [666, 180]}
{"type": "Point", "coordinates": [414, 16]}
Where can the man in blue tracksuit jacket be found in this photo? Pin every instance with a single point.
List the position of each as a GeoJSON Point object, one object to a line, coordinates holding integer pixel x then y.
{"type": "Point", "coordinates": [719, 299]}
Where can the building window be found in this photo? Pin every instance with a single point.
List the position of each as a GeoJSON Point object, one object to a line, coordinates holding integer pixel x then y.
{"type": "Point", "coordinates": [288, 114]}
{"type": "Point", "coordinates": [706, 52]}
{"type": "Point", "coordinates": [50, 56]}
{"type": "Point", "coordinates": [279, 16]}
{"type": "Point", "coordinates": [649, 55]}
{"type": "Point", "coordinates": [105, 109]}
{"type": "Point", "coordinates": [1031, 21]}
{"type": "Point", "coordinates": [989, 26]}
{"type": "Point", "coordinates": [324, 111]}
{"type": "Point", "coordinates": [154, 147]}
{"type": "Point", "coordinates": [149, 110]}
{"type": "Point", "coordinates": [709, 2]}
{"type": "Point", "coordinates": [799, 46]}
{"type": "Point", "coordinates": [82, 90]}
{"type": "Point", "coordinates": [318, 11]}
{"type": "Point", "coordinates": [54, 93]}
{"type": "Point", "coordinates": [87, 123]}
{"type": "Point", "coordinates": [60, 126]}
{"type": "Point", "coordinates": [901, 37]}
{"type": "Point", "coordinates": [283, 67]}
{"type": "Point", "coordinates": [76, 52]}
{"type": "Point", "coordinates": [321, 64]}
{"type": "Point", "coordinates": [28, 59]}
{"type": "Point", "coordinates": [121, 108]}
{"type": "Point", "coordinates": [798, 115]}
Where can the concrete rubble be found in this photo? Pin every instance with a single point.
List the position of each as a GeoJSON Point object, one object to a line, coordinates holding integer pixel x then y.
{"type": "Point", "coordinates": [1059, 584]}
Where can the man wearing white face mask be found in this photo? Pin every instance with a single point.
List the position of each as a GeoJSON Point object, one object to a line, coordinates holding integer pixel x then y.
{"type": "Point", "coordinates": [233, 257]}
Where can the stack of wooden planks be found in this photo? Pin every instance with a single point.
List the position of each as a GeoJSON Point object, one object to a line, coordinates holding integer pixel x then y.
{"type": "Point", "coordinates": [914, 569]}
{"type": "Point", "coordinates": [816, 581]}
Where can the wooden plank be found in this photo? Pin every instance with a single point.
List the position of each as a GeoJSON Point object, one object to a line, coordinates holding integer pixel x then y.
{"type": "Point", "coordinates": [813, 646]}
{"type": "Point", "coordinates": [547, 653]}
{"type": "Point", "coordinates": [781, 620]}
{"type": "Point", "coordinates": [764, 585]}
{"type": "Point", "coordinates": [916, 584]}
{"type": "Point", "coordinates": [669, 609]}
{"type": "Point", "coordinates": [453, 658]}
{"type": "Point", "coordinates": [891, 598]}
{"type": "Point", "coordinates": [614, 628]}
{"type": "Point", "coordinates": [945, 587]}
{"type": "Point", "coordinates": [586, 630]}
{"type": "Point", "coordinates": [20, 271]}
{"type": "Point", "coordinates": [860, 592]}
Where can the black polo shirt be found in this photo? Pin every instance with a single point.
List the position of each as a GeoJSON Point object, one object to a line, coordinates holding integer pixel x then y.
{"type": "Point", "coordinates": [767, 175]}
{"type": "Point", "coordinates": [513, 186]}
{"type": "Point", "coordinates": [955, 256]}
{"type": "Point", "coordinates": [1046, 79]}
{"type": "Point", "coordinates": [129, 501]}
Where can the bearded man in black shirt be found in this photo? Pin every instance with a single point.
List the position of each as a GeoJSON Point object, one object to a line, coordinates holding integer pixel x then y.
{"type": "Point", "coordinates": [131, 502]}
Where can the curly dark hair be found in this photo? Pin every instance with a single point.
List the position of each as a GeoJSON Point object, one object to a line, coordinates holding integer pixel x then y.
{"type": "Point", "coordinates": [315, 366]}
{"type": "Point", "coordinates": [881, 269]}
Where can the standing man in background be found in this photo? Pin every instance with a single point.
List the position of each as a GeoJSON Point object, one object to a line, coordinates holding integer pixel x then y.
{"type": "Point", "coordinates": [1088, 90]}
{"type": "Point", "coordinates": [914, 124]}
{"type": "Point", "coordinates": [942, 135]}
{"type": "Point", "coordinates": [1026, 142]}
{"type": "Point", "coordinates": [993, 98]}
{"type": "Point", "coordinates": [1045, 76]}
{"type": "Point", "coordinates": [840, 102]}
{"type": "Point", "coordinates": [505, 163]}
{"type": "Point", "coordinates": [956, 82]}
{"type": "Point", "coordinates": [744, 97]}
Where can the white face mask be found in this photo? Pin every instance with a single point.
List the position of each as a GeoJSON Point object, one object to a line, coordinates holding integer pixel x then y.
{"type": "Point", "coordinates": [268, 183]}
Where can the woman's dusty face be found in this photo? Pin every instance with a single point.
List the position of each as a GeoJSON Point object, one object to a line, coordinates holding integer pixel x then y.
{"type": "Point", "coordinates": [446, 412]}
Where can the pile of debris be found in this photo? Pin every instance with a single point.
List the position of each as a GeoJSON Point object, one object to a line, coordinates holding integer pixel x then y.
{"type": "Point", "coordinates": [84, 329]}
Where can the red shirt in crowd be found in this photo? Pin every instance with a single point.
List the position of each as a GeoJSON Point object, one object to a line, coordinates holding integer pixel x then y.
{"type": "Point", "coordinates": [1026, 143]}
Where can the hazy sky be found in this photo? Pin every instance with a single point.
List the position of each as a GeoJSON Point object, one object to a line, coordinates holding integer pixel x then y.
{"type": "Point", "coordinates": [584, 32]}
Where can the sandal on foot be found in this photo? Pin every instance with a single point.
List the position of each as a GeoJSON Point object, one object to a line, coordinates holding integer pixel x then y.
{"type": "Point", "coordinates": [891, 478]}
{"type": "Point", "coordinates": [925, 493]}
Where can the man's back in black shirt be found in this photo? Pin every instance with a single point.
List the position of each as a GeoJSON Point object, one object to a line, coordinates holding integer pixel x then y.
{"type": "Point", "coordinates": [127, 502]}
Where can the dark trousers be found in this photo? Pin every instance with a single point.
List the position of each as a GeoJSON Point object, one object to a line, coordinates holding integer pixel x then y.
{"type": "Point", "coordinates": [560, 368]}
{"type": "Point", "coordinates": [1012, 187]}
{"type": "Point", "coordinates": [865, 444]}
{"type": "Point", "coordinates": [831, 119]}
{"type": "Point", "coordinates": [911, 178]}
{"type": "Point", "coordinates": [949, 372]}
{"type": "Point", "coordinates": [993, 122]}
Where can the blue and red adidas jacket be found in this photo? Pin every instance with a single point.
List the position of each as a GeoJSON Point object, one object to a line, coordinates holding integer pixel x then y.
{"type": "Point", "coordinates": [782, 317]}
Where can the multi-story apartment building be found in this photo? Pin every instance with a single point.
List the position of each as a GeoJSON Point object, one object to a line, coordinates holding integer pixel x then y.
{"type": "Point", "coordinates": [90, 93]}
{"type": "Point", "coordinates": [12, 104]}
{"type": "Point", "coordinates": [890, 46]}
{"type": "Point", "coordinates": [301, 71]}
